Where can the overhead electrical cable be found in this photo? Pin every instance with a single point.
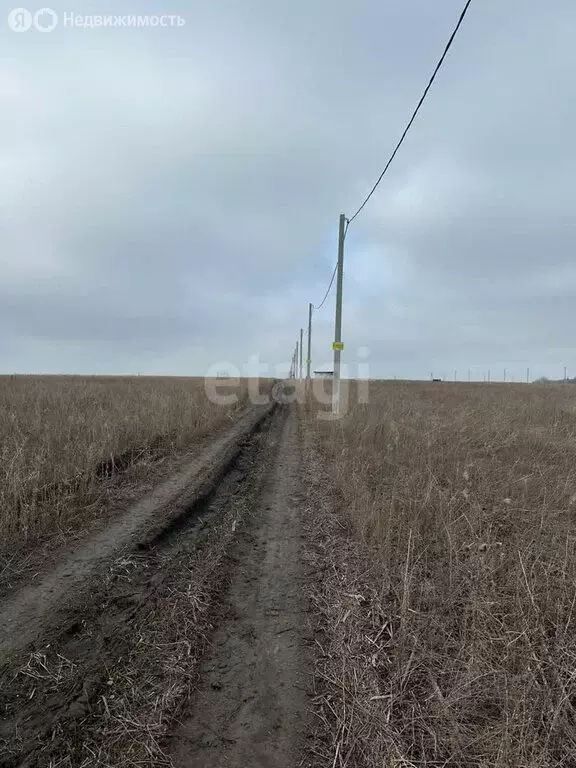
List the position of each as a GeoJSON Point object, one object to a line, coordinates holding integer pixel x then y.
{"type": "Point", "coordinates": [422, 98]}
{"type": "Point", "coordinates": [332, 278]}
{"type": "Point", "coordinates": [328, 290]}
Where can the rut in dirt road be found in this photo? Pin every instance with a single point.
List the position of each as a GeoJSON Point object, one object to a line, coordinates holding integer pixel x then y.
{"type": "Point", "coordinates": [250, 706]}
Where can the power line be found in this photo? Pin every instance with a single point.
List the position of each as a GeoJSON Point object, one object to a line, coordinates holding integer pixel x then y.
{"type": "Point", "coordinates": [422, 98]}
{"type": "Point", "coordinates": [333, 276]}
{"type": "Point", "coordinates": [328, 290]}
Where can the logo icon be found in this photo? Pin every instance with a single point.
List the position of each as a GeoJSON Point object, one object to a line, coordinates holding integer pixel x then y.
{"type": "Point", "coordinates": [45, 20]}
{"type": "Point", "coordinates": [22, 20]}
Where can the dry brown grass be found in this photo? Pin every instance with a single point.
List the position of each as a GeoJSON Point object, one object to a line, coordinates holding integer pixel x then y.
{"type": "Point", "coordinates": [60, 435]}
{"type": "Point", "coordinates": [449, 576]}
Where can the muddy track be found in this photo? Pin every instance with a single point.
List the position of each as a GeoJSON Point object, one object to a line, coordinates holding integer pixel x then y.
{"type": "Point", "coordinates": [186, 650]}
{"type": "Point", "coordinates": [250, 706]}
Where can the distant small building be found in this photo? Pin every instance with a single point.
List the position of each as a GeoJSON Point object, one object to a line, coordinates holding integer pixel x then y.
{"type": "Point", "coordinates": [324, 374]}
{"type": "Point", "coordinates": [436, 379]}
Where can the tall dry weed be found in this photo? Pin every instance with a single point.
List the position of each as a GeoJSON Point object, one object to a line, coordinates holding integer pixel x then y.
{"type": "Point", "coordinates": [464, 501]}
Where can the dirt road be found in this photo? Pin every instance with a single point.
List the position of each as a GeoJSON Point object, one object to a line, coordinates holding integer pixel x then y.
{"type": "Point", "coordinates": [251, 700]}
{"type": "Point", "coordinates": [180, 642]}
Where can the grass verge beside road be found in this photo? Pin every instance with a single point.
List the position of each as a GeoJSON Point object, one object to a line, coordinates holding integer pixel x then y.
{"type": "Point", "coordinates": [442, 527]}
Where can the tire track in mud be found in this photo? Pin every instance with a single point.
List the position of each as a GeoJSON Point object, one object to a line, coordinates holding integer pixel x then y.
{"type": "Point", "coordinates": [245, 702]}
{"type": "Point", "coordinates": [251, 703]}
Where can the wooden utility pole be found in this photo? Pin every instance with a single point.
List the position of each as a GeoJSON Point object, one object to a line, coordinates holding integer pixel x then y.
{"type": "Point", "coordinates": [301, 338]}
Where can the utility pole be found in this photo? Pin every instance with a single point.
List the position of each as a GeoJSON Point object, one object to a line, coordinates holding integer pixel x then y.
{"type": "Point", "coordinates": [564, 373]}
{"type": "Point", "coordinates": [527, 375]}
{"type": "Point", "coordinates": [488, 375]}
{"type": "Point", "coordinates": [468, 375]}
{"type": "Point", "coordinates": [338, 346]}
{"type": "Point", "coordinates": [301, 337]}
{"type": "Point", "coordinates": [309, 358]}
{"type": "Point", "coordinates": [296, 361]}
{"type": "Point", "coordinates": [504, 375]}
{"type": "Point", "coordinates": [455, 376]}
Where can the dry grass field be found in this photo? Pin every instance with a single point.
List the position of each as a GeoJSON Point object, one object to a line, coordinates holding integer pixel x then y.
{"type": "Point", "coordinates": [60, 436]}
{"type": "Point", "coordinates": [449, 597]}
{"type": "Point", "coordinates": [439, 546]}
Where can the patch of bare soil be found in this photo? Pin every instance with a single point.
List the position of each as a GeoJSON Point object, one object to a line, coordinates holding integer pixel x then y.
{"type": "Point", "coordinates": [203, 622]}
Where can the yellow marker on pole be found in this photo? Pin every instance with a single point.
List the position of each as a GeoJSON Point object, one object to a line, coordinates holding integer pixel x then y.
{"type": "Point", "coordinates": [338, 345]}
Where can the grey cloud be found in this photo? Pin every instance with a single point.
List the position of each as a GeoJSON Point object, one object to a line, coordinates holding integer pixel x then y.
{"type": "Point", "coordinates": [170, 198]}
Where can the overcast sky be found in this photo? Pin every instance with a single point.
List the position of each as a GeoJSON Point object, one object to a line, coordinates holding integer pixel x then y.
{"type": "Point", "coordinates": [169, 198]}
